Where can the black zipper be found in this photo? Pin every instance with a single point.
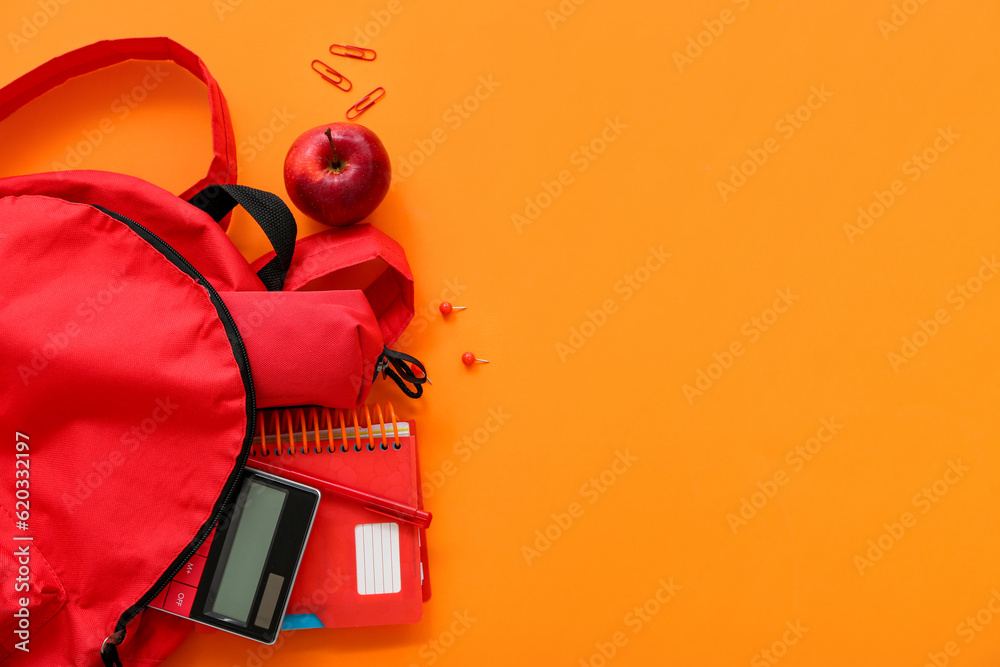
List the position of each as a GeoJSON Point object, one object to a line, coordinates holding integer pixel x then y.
{"type": "Point", "coordinates": [108, 649]}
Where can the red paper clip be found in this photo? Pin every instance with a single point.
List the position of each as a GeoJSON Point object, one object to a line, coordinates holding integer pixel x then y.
{"type": "Point", "coordinates": [338, 81]}
{"type": "Point", "coordinates": [352, 52]}
{"type": "Point", "coordinates": [365, 103]}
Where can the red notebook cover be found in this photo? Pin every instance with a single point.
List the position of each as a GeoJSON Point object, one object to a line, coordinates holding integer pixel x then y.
{"type": "Point", "coordinates": [359, 567]}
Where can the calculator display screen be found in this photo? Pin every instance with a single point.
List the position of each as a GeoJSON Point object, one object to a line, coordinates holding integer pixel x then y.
{"type": "Point", "coordinates": [246, 550]}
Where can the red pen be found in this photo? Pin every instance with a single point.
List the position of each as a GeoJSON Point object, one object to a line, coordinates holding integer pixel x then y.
{"type": "Point", "coordinates": [417, 517]}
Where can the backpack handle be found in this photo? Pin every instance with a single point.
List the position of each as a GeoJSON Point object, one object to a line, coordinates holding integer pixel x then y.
{"type": "Point", "coordinates": [269, 211]}
{"type": "Point", "coordinates": [105, 53]}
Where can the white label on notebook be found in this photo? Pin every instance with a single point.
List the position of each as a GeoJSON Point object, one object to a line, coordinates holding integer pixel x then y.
{"type": "Point", "coordinates": [376, 547]}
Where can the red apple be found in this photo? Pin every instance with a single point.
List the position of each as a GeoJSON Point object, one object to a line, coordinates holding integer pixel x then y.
{"type": "Point", "coordinates": [338, 173]}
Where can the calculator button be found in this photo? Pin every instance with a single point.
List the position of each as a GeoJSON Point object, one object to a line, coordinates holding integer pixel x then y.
{"type": "Point", "coordinates": [159, 599]}
{"type": "Point", "coordinates": [190, 574]}
{"type": "Point", "coordinates": [203, 551]}
{"type": "Point", "coordinates": [180, 598]}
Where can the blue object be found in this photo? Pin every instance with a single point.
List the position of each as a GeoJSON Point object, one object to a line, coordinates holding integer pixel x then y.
{"type": "Point", "coordinates": [301, 622]}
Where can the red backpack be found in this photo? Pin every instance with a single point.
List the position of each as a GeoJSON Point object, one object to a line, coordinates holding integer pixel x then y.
{"type": "Point", "coordinates": [136, 344]}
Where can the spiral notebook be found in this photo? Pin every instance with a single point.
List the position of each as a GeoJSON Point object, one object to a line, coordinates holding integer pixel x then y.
{"type": "Point", "coordinates": [360, 567]}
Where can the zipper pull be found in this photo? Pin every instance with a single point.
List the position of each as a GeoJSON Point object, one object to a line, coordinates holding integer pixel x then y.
{"type": "Point", "coordinates": [109, 650]}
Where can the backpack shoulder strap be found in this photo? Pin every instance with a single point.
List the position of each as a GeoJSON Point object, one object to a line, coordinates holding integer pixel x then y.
{"type": "Point", "coordinates": [103, 54]}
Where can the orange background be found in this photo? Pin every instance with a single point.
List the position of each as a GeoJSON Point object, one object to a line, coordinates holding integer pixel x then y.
{"type": "Point", "coordinates": [795, 560]}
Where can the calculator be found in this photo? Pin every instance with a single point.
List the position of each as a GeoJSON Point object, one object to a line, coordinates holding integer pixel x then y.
{"type": "Point", "coordinates": [241, 577]}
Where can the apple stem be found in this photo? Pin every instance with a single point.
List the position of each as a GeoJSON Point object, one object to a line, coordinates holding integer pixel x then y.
{"type": "Point", "coordinates": [335, 163]}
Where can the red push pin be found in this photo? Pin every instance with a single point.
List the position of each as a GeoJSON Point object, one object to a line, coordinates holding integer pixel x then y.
{"type": "Point", "coordinates": [446, 308]}
{"type": "Point", "coordinates": [419, 373]}
{"type": "Point", "coordinates": [470, 359]}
